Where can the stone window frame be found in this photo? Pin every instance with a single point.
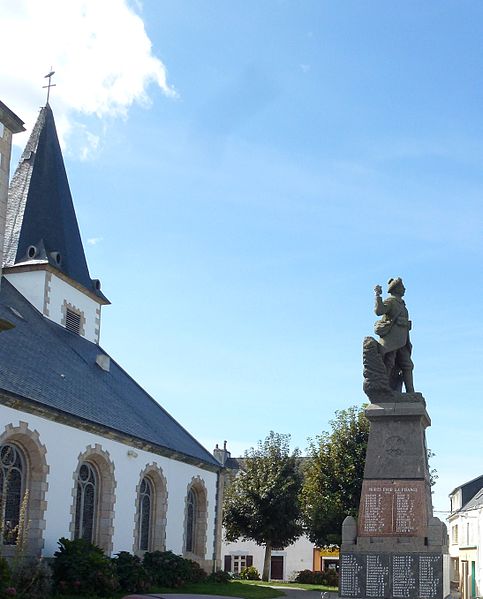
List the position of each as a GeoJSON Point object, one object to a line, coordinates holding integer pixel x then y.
{"type": "Point", "coordinates": [63, 321]}
{"type": "Point", "coordinates": [159, 510]}
{"type": "Point", "coordinates": [198, 486]}
{"type": "Point", "coordinates": [17, 465]}
{"type": "Point", "coordinates": [106, 495]}
{"type": "Point", "coordinates": [36, 472]}
{"type": "Point", "coordinates": [92, 480]}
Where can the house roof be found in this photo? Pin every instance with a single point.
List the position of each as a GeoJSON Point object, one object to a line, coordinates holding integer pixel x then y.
{"type": "Point", "coordinates": [10, 119]}
{"type": "Point", "coordinates": [471, 486]}
{"type": "Point", "coordinates": [474, 503]}
{"type": "Point", "coordinates": [41, 225]}
{"type": "Point", "coordinates": [43, 363]}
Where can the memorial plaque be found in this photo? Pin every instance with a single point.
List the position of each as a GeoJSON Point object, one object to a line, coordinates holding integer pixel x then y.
{"type": "Point", "coordinates": [404, 575]}
{"type": "Point", "coordinates": [377, 575]}
{"type": "Point", "coordinates": [352, 575]}
{"type": "Point", "coordinates": [392, 508]}
{"type": "Point", "coordinates": [391, 575]}
{"type": "Point", "coordinates": [430, 576]}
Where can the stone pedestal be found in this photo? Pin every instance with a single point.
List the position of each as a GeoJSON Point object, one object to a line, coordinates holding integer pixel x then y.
{"type": "Point", "coordinates": [395, 549]}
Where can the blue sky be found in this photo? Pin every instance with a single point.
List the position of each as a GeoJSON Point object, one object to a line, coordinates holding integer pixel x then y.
{"type": "Point", "coordinates": [243, 183]}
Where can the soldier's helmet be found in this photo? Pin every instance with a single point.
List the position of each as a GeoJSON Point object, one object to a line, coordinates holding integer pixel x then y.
{"type": "Point", "coordinates": [395, 285]}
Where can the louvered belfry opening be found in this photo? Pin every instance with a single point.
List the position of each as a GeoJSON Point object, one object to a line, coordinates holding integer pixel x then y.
{"type": "Point", "coordinates": [72, 321]}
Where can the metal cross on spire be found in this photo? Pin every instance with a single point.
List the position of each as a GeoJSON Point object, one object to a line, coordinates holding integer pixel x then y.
{"type": "Point", "coordinates": [50, 84]}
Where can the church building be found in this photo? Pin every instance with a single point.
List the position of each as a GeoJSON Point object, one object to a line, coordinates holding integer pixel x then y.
{"type": "Point", "coordinates": [85, 452]}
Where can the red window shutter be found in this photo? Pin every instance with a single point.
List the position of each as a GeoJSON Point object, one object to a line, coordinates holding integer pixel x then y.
{"type": "Point", "coordinates": [249, 560]}
{"type": "Point", "coordinates": [227, 563]}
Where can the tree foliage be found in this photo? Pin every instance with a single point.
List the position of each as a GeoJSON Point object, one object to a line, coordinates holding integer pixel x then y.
{"type": "Point", "coordinates": [333, 476]}
{"type": "Point", "coordinates": [263, 501]}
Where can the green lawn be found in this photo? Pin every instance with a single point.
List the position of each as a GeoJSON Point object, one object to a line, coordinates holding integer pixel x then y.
{"type": "Point", "coordinates": [246, 589]}
{"type": "Point", "coordinates": [235, 588]}
{"type": "Point", "coordinates": [292, 585]}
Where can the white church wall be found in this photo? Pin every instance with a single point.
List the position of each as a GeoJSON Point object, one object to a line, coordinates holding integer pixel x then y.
{"type": "Point", "coordinates": [31, 285]}
{"type": "Point", "coordinates": [64, 444]}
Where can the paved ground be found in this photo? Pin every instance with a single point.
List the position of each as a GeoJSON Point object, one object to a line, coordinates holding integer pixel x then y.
{"type": "Point", "coordinates": [291, 594]}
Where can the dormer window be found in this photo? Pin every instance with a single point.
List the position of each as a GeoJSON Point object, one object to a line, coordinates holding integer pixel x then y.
{"type": "Point", "coordinates": [73, 321]}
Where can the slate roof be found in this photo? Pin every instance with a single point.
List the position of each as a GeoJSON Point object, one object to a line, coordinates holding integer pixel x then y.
{"type": "Point", "coordinates": [474, 503]}
{"type": "Point", "coordinates": [40, 211]}
{"type": "Point", "coordinates": [46, 364]}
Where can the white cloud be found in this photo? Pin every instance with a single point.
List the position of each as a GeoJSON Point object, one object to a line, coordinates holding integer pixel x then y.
{"type": "Point", "coordinates": [94, 240]}
{"type": "Point", "coordinates": [101, 55]}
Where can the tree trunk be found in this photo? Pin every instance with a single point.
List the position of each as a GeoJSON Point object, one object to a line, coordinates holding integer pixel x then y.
{"type": "Point", "coordinates": [266, 562]}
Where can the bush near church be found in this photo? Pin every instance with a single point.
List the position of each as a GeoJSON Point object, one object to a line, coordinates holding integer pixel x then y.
{"type": "Point", "coordinates": [81, 568]}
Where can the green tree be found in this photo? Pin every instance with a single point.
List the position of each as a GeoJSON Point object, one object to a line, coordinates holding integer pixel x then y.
{"type": "Point", "coordinates": [333, 476]}
{"type": "Point", "coordinates": [262, 503]}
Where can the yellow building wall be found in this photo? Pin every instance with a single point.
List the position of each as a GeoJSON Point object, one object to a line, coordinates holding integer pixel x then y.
{"type": "Point", "coordinates": [329, 553]}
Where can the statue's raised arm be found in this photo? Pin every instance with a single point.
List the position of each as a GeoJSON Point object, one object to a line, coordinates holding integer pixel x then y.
{"type": "Point", "coordinates": [387, 361]}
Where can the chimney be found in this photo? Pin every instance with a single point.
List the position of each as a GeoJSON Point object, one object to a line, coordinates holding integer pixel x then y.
{"type": "Point", "coordinates": [222, 455]}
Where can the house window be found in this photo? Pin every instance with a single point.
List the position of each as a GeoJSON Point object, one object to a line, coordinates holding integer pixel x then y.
{"type": "Point", "coordinates": [12, 483]}
{"type": "Point", "coordinates": [146, 496]}
{"type": "Point", "coordinates": [191, 521]}
{"type": "Point", "coordinates": [72, 321]}
{"type": "Point", "coordinates": [236, 563]}
{"type": "Point", "coordinates": [454, 534]}
{"type": "Point", "coordinates": [85, 505]}
{"type": "Point", "coordinates": [2, 129]}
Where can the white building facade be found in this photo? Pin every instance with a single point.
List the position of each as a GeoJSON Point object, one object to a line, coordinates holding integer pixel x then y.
{"type": "Point", "coordinates": [85, 452]}
{"type": "Point", "coordinates": [465, 524]}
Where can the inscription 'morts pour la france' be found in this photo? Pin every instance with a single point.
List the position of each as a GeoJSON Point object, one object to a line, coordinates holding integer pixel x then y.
{"type": "Point", "coordinates": [392, 508]}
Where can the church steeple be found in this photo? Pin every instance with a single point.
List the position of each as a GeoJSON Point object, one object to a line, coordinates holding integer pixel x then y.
{"type": "Point", "coordinates": [43, 252]}
{"type": "Point", "coordinates": [41, 225]}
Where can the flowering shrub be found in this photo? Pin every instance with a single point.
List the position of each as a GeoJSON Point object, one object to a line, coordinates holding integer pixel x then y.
{"type": "Point", "coordinates": [131, 574]}
{"type": "Point", "coordinates": [169, 570]}
{"type": "Point", "coordinates": [328, 578]}
{"type": "Point", "coordinates": [79, 567]}
{"type": "Point", "coordinates": [5, 575]}
{"type": "Point", "coordinates": [32, 579]}
{"type": "Point", "coordinates": [250, 573]}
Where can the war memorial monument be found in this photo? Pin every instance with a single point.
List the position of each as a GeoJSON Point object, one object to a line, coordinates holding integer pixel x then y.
{"type": "Point", "coordinates": [396, 548]}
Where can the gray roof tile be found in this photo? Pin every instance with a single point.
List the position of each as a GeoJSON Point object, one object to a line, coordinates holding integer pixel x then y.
{"type": "Point", "coordinates": [44, 363]}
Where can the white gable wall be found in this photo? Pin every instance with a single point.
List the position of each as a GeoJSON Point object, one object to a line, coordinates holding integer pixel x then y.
{"type": "Point", "coordinates": [51, 295]}
{"type": "Point", "coordinates": [296, 557]}
{"type": "Point", "coordinates": [31, 285]}
{"type": "Point", "coordinates": [64, 444]}
{"type": "Point", "coordinates": [61, 293]}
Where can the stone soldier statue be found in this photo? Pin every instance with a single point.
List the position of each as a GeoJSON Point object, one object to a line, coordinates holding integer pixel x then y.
{"type": "Point", "coordinates": [393, 331]}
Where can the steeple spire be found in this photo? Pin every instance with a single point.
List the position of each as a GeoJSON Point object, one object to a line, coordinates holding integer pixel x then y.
{"type": "Point", "coordinates": [41, 223]}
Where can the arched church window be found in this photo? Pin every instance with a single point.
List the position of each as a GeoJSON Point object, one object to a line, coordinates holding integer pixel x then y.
{"type": "Point", "coordinates": [86, 503]}
{"type": "Point", "coordinates": [12, 489]}
{"type": "Point", "coordinates": [191, 521]}
{"type": "Point", "coordinates": [146, 499]}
